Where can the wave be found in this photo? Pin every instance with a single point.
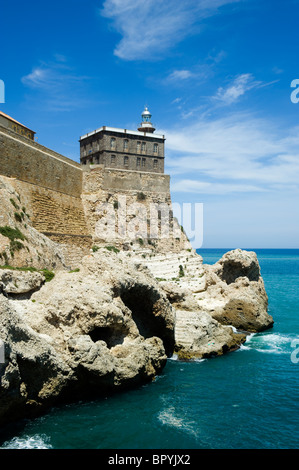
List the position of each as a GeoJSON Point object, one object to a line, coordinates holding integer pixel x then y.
{"type": "Point", "coordinates": [273, 343]}
{"type": "Point", "coordinates": [175, 357]}
{"type": "Point", "coordinates": [28, 442]}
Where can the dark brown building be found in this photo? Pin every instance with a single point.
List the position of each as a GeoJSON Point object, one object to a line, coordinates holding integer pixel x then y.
{"type": "Point", "coordinates": [123, 149]}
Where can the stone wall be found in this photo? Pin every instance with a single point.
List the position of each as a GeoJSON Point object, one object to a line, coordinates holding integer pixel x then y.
{"type": "Point", "coordinates": [126, 180]}
{"type": "Point", "coordinates": [15, 126]}
{"type": "Point", "coordinates": [51, 188]}
{"type": "Point", "coordinates": [29, 161]}
{"type": "Point", "coordinates": [57, 215]}
{"type": "Point", "coordinates": [127, 210]}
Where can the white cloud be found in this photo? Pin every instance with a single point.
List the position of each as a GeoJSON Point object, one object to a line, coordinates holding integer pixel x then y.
{"type": "Point", "coordinates": [57, 83]}
{"type": "Point", "coordinates": [180, 75]}
{"type": "Point", "coordinates": [199, 73]}
{"type": "Point", "coordinates": [237, 153]}
{"type": "Point", "coordinates": [150, 28]}
{"type": "Point", "coordinates": [201, 187]}
{"type": "Point", "coordinates": [238, 87]}
{"type": "Point", "coordinates": [176, 100]}
{"type": "Point", "coordinates": [37, 78]}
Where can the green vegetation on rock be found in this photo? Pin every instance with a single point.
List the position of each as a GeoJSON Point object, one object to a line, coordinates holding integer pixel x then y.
{"type": "Point", "coordinates": [181, 272]}
{"type": "Point", "coordinates": [112, 248]}
{"type": "Point", "coordinates": [14, 235]}
{"type": "Point", "coordinates": [48, 274]}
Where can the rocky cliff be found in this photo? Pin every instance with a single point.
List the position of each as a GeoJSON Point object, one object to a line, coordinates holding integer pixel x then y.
{"type": "Point", "coordinates": [104, 327]}
{"type": "Point", "coordinates": [112, 322]}
{"type": "Point", "coordinates": [216, 305]}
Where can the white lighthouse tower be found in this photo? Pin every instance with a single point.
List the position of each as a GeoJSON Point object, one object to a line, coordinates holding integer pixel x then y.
{"type": "Point", "coordinates": [146, 125]}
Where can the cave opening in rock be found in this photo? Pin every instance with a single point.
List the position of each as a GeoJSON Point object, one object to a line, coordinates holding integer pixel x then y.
{"type": "Point", "coordinates": [232, 270]}
{"type": "Point", "coordinates": [143, 304]}
{"type": "Point", "coordinates": [112, 335]}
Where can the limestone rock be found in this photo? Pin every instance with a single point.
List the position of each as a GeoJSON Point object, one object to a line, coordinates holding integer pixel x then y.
{"type": "Point", "coordinates": [231, 292]}
{"type": "Point", "coordinates": [198, 335]}
{"type": "Point", "coordinates": [33, 372]}
{"type": "Point", "coordinates": [110, 324]}
{"type": "Point", "coordinates": [245, 306]}
{"type": "Point", "coordinates": [238, 263]}
{"type": "Point", "coordinates": [105, 327]}
{"type": "Point", "coordinates": [19, 282]}
{"type": "Point", "coordinates": [235, 293]}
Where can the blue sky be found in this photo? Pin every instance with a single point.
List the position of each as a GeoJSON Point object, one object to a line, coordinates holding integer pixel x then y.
{"type": "Point", "coordinates": [216, 75]}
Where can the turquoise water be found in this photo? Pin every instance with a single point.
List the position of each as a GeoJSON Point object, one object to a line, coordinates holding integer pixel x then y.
{"type": "Point", "coordinates": [245, 399]}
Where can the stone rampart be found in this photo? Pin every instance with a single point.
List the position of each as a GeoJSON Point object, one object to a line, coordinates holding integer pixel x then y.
{"type": "Point", "coordinates": [29, 161]}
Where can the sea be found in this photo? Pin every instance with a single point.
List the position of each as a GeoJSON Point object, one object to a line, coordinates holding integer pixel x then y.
{"type": "Point", "coordinates": [246, 399]}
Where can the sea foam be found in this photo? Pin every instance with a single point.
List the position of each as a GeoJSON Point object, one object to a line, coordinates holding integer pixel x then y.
{"type": "Point", "coordinates": [275, 343]}
{"type": "Point", "coordinates": [169, 417]}
{"type": "Point", "coordinates": [28, 442]}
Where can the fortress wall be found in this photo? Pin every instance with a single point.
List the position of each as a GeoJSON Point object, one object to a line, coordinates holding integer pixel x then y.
{"type": "Point", "coordinates": [26, 160]}
{"type": "Point", "coordinates": [51, 211]}
{"type": "Point", "coordinates": [124, 180]}
{"type": "Point", "coordinates": [63, 201]}
{"type": "Point", "coordinates": [58, 216]}
{"type": "Point", "coordinates": [51, 187]}
{"type": "Point", "coordinates": [109, 194]}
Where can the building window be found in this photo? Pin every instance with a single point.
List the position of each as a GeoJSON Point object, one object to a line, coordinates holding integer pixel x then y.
{"type": "Point", "coordinates": [143, 147]}
{"type": "Point", "coordinates": [112, 143]}
{"type": "Point", "coordinates": [156, 149]}
{"type": "Point", "coordinates": [143, 162]}
{"type": "Point", "coordinates": [138, 162]}
{"type": "Point", "coordinates": [126, 144]}
{"type": "Point", "coordinates": [112, 159]}
{"type": "Point", "coordinates": [155, 164]}
{"type": "Point", "coordinates": [126, 161]}
{"type": "Point", "coordinates": [138, 147]}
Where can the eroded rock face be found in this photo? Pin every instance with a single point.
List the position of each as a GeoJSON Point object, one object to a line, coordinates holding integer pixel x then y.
{"type": "Point", "coordinates": [197, 333]}
{"type": "Point", "coordinates": [106, 327]}
{"type": "Point", "coordinates": [213, 315]}
{"type": "Point", "coordinates": [235, 293]}
{"type": "Point", "coordinates": [238, 263]}
{"type": "Point", "coordinates": [33, 372]}
{"type": "Point", "coordinates": [19, 282]}
{"type": "Point", "coordinates": [111, 325]}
